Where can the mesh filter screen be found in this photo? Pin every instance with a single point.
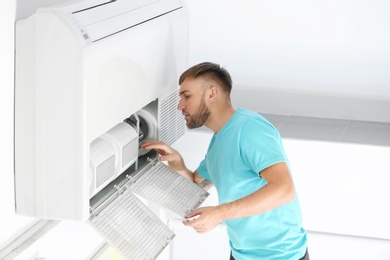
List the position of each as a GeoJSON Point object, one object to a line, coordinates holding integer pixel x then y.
{"type": "Point", "coordinates": [162, 185]}
{"type": "Point", "coordinates": [131, 228]}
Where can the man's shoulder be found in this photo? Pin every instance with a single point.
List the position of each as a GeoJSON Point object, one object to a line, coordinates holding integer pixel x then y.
{"type": "Point", "coordinates": [250, 118]}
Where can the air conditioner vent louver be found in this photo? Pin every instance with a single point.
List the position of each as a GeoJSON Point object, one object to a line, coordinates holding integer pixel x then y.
{"type": "Point", "coordinates": [171, 122]}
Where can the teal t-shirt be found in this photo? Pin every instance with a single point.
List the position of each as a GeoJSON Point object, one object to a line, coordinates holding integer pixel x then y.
{"type": "Point", "coordinates": [245, 146]}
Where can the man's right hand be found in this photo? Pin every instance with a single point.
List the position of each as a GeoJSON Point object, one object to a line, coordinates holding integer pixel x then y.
{"type": "Point", "coordinates": [167, 153]}
{"type": "Point", "coordinates": [176, 162]}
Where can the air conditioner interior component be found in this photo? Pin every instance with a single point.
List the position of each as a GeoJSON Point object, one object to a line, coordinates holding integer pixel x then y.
{"type": "Point", "coordinates": [125, 140]}
{"type": "Point", "coordinates": [111, 154]}
{"type": "Point", "coordinates": [103, 161]}
{"type": "Point", "coordinates": [147, 126]}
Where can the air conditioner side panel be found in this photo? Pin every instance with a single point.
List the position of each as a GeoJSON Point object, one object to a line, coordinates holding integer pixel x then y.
{"type": "Point", "coordinates": [50, 155]}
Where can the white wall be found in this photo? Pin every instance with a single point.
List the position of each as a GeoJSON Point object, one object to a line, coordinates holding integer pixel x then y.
{"type": "Point", "coordinates": [336, 46]}
{"type": "Point", "coordinates": [308, 58]}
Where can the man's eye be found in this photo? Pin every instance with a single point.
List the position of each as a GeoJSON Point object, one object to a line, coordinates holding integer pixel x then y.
{"type": "Point", "coordinates": [186, 97]}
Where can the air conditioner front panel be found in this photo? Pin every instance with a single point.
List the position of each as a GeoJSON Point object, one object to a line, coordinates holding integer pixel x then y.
{"type": "Point", "coordinates": [122, 74]}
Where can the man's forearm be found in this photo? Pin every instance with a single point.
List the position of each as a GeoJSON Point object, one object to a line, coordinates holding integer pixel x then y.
{"type": "Point", "coordinates": [186, 173]}
{"type": "Point", "coordinates": [262, 200]}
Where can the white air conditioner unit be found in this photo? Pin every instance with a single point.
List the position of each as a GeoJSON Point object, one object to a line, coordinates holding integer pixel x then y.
{"type": "Point", "coordinates": [93, 80]}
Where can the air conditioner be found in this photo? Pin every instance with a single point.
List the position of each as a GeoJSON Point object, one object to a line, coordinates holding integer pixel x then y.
{"type": "Point", "coordinates": [93, 80]}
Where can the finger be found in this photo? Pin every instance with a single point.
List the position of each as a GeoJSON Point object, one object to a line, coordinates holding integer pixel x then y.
{"type": "Point", "coordinates": [148, 143]}
{"type": "Point", "coordinates": [186, 222]}
{"type": "Point", "coordinates": [195, 224]}
{"type": "Point", "coordinates": [158, 146]}
{"type": "Point", "coordinates": [193, 213]}
{"type": "Point", "coordinates": [164, 158]}
{"type": "Point", "coordinates": [201, 231]}
{"type": "Point", "coordinates": [190, 223]}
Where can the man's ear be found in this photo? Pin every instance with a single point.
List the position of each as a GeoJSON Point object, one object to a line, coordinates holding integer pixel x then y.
{"type": "Point", "coordinates": [213, 93]}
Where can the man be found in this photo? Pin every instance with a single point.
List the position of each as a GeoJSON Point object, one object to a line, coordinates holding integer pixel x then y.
{"type": "Point", "coordinates": [246, 163]}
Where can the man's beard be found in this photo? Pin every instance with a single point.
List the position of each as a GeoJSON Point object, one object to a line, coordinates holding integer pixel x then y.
{"type": "Point", "coordinates": [198, 119]}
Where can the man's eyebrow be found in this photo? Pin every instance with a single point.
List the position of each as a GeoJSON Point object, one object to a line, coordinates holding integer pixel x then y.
{"type": "Point", "coordinates": [182, 92]}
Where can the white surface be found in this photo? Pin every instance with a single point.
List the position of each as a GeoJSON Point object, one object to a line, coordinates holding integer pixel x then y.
{"type": "Point", "coordinates": [320, 47]}
{"type": "Point", "coordinates": [342, 188]}
{"type": "Point", "coordinates": [328, 246]}
{"type": "Point", "coordinates": [190, 245]}
{"type": "Point", "coordinates": [68, 240]}
{"type": "Point", "coordinates": [300, 103]}
{"type": "Point", "coordinates": [304, 58]}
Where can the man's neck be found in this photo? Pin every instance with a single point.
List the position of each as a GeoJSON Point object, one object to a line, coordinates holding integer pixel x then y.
{"type": "Point", "coordinates": [218, 119]}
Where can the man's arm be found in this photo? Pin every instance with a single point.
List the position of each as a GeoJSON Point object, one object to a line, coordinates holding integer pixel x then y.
{"type": "Point", "coordinates": [279, 190]}
{"type": "Point", "coordinates": [176, 162]}
{"type": "Point", "coordinates": [202, 182]}
{"type": "Point", "coordinates": [167, 153]}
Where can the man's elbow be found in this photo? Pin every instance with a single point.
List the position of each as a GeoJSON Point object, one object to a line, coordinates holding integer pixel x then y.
{"type": "Point", "coordinates": [289, 190]}
{"type": "Point", "coordinates": [289, 194]}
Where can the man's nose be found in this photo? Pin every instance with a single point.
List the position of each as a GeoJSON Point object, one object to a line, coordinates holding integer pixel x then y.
{"type": "Point", "coordinates": [180, 106]}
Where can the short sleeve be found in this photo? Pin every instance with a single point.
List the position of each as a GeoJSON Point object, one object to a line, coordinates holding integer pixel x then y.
{"type": "Point", "coordinates": [261, 145]}
{"type": "Point", "coordinates": [202, 170]}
